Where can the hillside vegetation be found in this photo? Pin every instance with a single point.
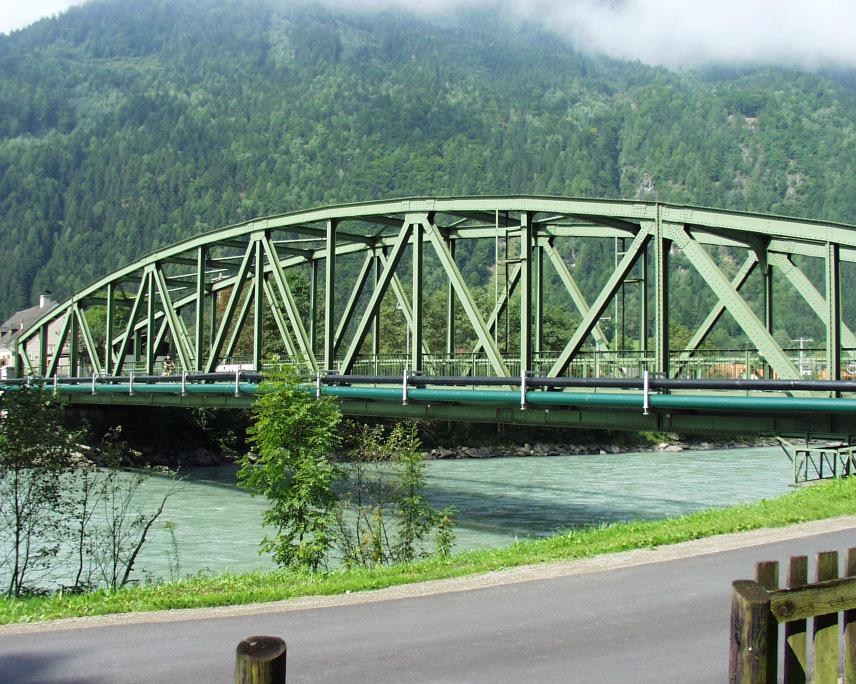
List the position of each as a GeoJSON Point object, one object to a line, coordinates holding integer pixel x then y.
{"type": "Point", "coordinates": [125, 126]}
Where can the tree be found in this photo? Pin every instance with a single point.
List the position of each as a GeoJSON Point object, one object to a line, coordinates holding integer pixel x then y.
{"type": "Point", "coordinates": [35, 451]}
{"type": "Point", "coordinates": [294, 436]}
{"type": "Point", "coordinates": [384, 516]}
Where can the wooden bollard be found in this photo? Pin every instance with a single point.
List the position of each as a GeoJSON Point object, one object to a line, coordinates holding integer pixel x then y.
{"type": "Point", "coordinates": [260, 660]}
{"type": "Point", "coordinates": [750, 619]}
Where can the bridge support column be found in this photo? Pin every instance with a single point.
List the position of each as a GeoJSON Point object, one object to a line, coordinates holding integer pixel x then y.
{"type": "Point", "coordinates": [198, 337]}
{"type": "Point", "coordinates": [416, 331]}
{"type": "Point", "coordinates": [73, 344]}
{"type": "Point", "coordinates": [258, 302]}
{"type": "Point", "coordinates": [43, 350]}
{"type": "Point", "coordinates": [450, 314]}
{"type": "Point", "coordinates": [661, 298]}
{"type": "Point", "coordinates": [643, 305]}
{"type": "Point", "coordinates": [313, 306]}
{"type": "Point", "coordinates": [525, 293]}
{"type": "Point", "coordinates": [330, 298]}
{"type": "Point", "coordinates": [108, 336]}
{"type": "Point", "coordinates": [833, 302]}
{"type": "Point", "coordinates": [150, 324]}
{"type": "Point", "coordinates": [538, 282]}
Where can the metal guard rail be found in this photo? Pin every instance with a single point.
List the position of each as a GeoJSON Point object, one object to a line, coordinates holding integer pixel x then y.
{"type": "Point", "coordinates": [414, 389]}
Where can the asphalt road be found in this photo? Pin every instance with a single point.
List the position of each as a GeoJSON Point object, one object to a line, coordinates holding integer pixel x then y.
{"type": "Point", "coordinates": [658, 622]}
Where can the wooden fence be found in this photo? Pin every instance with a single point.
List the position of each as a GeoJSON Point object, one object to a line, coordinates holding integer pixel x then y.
{"type": "Point", "coordinates": [808, 614]}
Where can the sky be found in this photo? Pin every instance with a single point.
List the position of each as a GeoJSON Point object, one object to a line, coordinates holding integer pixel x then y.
{"type": "Point", "coordinates": [675, 33]}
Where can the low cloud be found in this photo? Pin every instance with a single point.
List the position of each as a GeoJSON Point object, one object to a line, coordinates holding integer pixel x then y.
{"type": "Point", "coordinates": [16, 14]}
{"type": "Point", "coordinates": [676, 33]}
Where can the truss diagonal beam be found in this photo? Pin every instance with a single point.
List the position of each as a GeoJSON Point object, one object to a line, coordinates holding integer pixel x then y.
{"type": "Point", "coordinates": [287, 299]}
{"type": "Point", "coordinates": [353, 298]}
{"type": "Point", "coordinates": [402, 299]}
{"type": "Point", "coordinates": [177, 331]}
{"type": "Point", "coordinates": [465, 297]}
{"type": "Point", "coordinates": [377, 296]}
{"type": "Point", "coordinates": [281, 325]}
{"type": "Point", "coordinates": [628, 261]}
{"type": "Point", "coordinates": [501, 302]}
{"type": "Point", "coordinates": [129, 329]}
{"type": "Point", "coordinates": [713, 317]}
{"type": "Point", "coordinates": [88, 342]}
{"type": "Point", "coordinates": [809, 293]}
{"type": "Point", "coordinates": [226, 319]}
{"type": "Point", "coordinates": [573, 289]}
{"type": "Point", "coordinates": [736, 305]}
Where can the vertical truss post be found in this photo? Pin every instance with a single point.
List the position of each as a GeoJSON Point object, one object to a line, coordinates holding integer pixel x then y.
{"type": "Point", "coordinates": [258, 301]}
{"type": "Point", "coordinates": [619, 299]}
{"type": "Point", "coordinates": [73, 343]}
{"type": "Point", "coordinates": [43, 350]}
{"type": "Point", "coordinates": [538, 282]}
{"type": "Point", "coordinates": [86, 335]}
{"type": "Point", "coordinates": [525, 293]}
{"type": "Point", "coordinates": [229, 311]}
{"type": "Point", "coordinates": [450, 311]}
{"type": "Point", "coordinates": [643, 304]}
{"type": "Point", "coordinates": [60, 344]}
{"type": "Point", "coordinates": [416, 331]}
{"type": "Point", "coordinates": [330, 298]}
{"type": "Point", "coordinates": [661, 298]}
{"type": "Point", "coordinates": [313, 306]}
{"type": "Point", "coordinates": [833, 302]}
{"type": "Point", "coordinates": [374, 301]}
{"type": "Point", "coordinates": [150, 324]}
{"type": "Point", "coordinates": [768, 304]}
{"type": "Point", "coordinates": [138, 347]}
{"type": "Point", "coordinates": [376, 319]}
{"type": "Point", "coordinates": [353, 299]}
{"type": "Point", "coordinates": [212, 320]}
{"type": "Point", "coordinates": [108, 337]}
{"type": "Point", "coordinates": [199, 339]}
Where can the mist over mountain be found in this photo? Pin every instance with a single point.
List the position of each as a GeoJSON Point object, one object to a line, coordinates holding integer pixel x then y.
{"type": "Point", "coordinates": [125, 126]}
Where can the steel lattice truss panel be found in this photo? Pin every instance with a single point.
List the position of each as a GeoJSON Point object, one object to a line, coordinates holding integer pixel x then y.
{"type": "Point", "coordinates": [193, 304]}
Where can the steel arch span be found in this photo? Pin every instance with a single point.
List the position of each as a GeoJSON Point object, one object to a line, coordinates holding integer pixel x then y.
{"type": "Point", "coordinates": [326, 288]}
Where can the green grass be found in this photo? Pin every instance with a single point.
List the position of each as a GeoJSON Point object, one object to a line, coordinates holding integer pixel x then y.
{"type": "Point", "coordinates": [824, 500]}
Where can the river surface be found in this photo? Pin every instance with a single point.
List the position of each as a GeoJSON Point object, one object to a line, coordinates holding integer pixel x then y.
{"type": "Point", "coordinates": [218, 526]}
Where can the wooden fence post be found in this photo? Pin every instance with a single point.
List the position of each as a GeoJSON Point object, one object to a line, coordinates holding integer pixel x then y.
{"type": "Point", "coordinates": [795, 665]}
{"type": "Point", "coordinates": [750, 621]}
{"type": "Point", "coordinates": [850, 626]}
{"type": "Point", "coordinates": [260, 660]}
{"type": "Point", "coordinates": [825, 627]}
{"type": "Point", "coordinates": [767, 575]}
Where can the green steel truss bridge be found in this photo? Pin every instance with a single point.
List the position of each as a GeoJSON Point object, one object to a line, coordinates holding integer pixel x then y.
{"type": "Point", "coordinates": [196, 312]}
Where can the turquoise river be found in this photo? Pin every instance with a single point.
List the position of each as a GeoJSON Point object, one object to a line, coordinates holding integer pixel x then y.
{"type": "Point", "coordinates": [218, 526]}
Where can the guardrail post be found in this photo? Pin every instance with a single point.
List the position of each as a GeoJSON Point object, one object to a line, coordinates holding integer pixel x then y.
{"type": "Point", "coordinates": [317, 385]}
{"type": "Point", "coordinates": [238, 382]}
{"type": "Point", "coordinates": [404, 386]}
{"type": "Point", "coordinates": [750, 618]}
{"type": "Point", "coordinates": [260, 660]}
{"type": "Point", "coordinates": [93, 383]}
{"type": "Point", "coordinates": [55, 388]}
{"type": "Point", "coordinates": [131, 383]}
{"type": "Point", "coordinates": [522, 388]}
{"type": "Point", "coordinates": [645, 391]}
{"type": "Point", "coordinates": [183, 383]}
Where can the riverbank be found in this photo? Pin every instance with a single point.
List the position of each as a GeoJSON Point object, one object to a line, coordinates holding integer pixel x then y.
{"type": "Point", "coordinates": [200, 457]}
{"type": "Point", "coordinates": [824, 500]}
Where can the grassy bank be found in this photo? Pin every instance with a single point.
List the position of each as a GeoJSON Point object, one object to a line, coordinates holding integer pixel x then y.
{"type": "Point", "coordinates": [825, 500]}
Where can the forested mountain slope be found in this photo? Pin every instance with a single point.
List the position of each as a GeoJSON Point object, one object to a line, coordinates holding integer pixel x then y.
{"type": "Point", "coordinates": [127, 125]}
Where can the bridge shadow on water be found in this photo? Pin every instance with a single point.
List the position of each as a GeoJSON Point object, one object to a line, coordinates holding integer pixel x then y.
{"type": "Point", "coordinates": [42, 668]}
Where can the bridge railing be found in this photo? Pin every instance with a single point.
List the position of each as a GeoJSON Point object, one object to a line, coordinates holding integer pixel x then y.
{"type": "Point", "coordinates": [703, 364]}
